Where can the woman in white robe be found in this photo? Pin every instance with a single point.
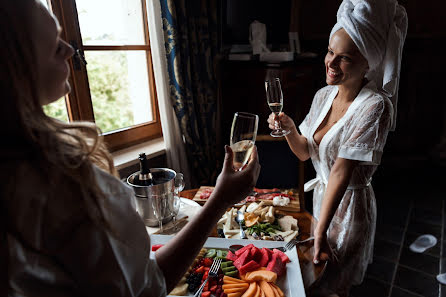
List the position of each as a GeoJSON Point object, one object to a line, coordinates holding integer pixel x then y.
{"type": "Point", "coordinates": [344, 134]}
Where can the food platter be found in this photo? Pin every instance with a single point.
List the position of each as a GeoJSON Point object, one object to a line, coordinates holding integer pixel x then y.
{"type": "Point", "coordinates": [293, 206]}
{"type": "Point", "coordinates": [291, 283]}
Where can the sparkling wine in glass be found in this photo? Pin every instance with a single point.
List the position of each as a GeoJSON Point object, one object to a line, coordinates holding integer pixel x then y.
{"type": "Point", "coordinates": [274, 97]}
{"type": "Point", "coordinates": [243, 137]}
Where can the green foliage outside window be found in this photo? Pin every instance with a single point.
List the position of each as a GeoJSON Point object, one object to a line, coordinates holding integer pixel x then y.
{"type": "Point", "coordinates": [107, 75]}
{"type": "Point", "coordinates": [108, 78]}
{"type": "Point", "coordinates": [57, 110]}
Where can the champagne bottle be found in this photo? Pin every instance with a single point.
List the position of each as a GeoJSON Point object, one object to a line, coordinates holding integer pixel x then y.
{"type": "Point", "coordinates": [144, 178]}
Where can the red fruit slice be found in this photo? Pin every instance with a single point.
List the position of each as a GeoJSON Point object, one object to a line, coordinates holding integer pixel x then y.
{"type": "Point", "coordinates": [242, 259]}
{"type": "Point", "coordinates": [206, 294]}
{"type": "Point", "coordinates": [243, 249]}
{"type": "Point", "coordinates": [250, 266]}
{"type": "Point", "coordinates": [231, 256]}
{"type": "Point", "coordinates": [276, 265]}
{"type": "Point", "coordinates": [266, 256]}
{"type": "Point", "coordinates": [207, 262]}
{"type": "Point", "coordinates": [282, 255]}
{"type": "Point", "coordinates": [256, 255]}
{"type": "Point", "coordinates": [156, 247]}
{"type": "Point", "coordinates": [199, 269]}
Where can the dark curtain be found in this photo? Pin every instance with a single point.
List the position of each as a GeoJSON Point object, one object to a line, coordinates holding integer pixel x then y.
{"type": "Point", "coordinates": [190, 33]}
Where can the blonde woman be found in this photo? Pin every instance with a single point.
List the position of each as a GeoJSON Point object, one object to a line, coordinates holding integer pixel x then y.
{"type": "Point", "coordinates": [68, 225]}
{"type": "Point", "coordinates": [344, 134]}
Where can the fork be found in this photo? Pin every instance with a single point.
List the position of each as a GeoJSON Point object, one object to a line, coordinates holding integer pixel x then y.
{"type": "Point", "coordinates": [213, 272]}
{"type": "Point", "coordinates": [290, 244]}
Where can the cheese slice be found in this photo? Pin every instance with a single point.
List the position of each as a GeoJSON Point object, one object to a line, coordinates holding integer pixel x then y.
{"type": "Point", "coordinates": [232, 231]}
{"type": "Point", "coordinates": [284, 233]}
{"type": "Point", "coordinates": [291, 236]}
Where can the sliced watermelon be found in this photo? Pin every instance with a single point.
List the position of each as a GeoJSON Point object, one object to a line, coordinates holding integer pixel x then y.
{"type": "Point", "coordinates": [243, 249]}
{"type": "Point", "coordinates": [266, 256]}
{"type": "Point", "coordinates": [282, 255]}
{"type": "Point", "coordinates": [242, 259]}
{"type": "Point", "coordinates": [250, 266]}
{"type": "Point", "coordinates": [256, 255]}
{"type": "Point", "coordinates": [231, 256]}
{"type": "Point", "coordinates": [155, 247]}
{"type": "Point", "coordinates": [276, 265]}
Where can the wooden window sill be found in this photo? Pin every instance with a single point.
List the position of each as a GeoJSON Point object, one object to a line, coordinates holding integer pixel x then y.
{"type": "Point", "coordinates": [129, 156]}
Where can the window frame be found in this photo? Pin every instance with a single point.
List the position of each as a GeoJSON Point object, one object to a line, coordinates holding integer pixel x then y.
{"type": "Point", "coordinates": [79, 103]}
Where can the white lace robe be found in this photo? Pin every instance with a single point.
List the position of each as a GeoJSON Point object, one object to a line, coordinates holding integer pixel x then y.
{"type": "Point", "coordinates": [359, 135]}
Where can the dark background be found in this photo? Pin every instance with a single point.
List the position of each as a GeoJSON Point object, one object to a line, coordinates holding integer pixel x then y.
{"type": "Point", "coordinates": [415, 153]}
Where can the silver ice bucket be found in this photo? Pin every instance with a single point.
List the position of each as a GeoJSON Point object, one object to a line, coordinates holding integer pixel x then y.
{"type": "Point", "coordinates": [166, 184]}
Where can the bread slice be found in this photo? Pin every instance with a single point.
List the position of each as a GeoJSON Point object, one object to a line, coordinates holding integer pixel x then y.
{"type": "Point", "coordinates": [288, 223]}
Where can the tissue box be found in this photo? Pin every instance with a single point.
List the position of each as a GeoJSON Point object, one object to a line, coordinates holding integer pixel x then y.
{"type": "Point", "coordinates": [277, 57]}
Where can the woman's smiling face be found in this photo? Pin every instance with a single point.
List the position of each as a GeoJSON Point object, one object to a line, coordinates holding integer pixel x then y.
{"type": "Point", "coordinates": [344, 64]}
{"type": "Point", "coordinates": [52, 57]}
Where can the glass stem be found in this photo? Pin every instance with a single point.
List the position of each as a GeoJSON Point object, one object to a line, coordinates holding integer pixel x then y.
{"type": "Point", "coordinates": [160, 224]}
{"type": "Point", "coordinates": [175, 223]}
{"type": "Point", "coordinates": [278, 124]}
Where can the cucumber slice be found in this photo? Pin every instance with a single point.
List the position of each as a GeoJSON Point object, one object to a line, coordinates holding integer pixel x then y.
{"type": "Point", "coordinates": [220, 254]}
{"type": "Point", "coordinates": [232, 273]}
{"type": "Point", "coordinates": [228, 269]}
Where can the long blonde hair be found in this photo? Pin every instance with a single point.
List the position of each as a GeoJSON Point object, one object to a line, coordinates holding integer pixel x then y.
{"type": "Point", "coordinates": [57, 148]}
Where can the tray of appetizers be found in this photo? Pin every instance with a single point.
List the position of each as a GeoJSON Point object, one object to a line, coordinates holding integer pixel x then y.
{"type": "Point", "coordinates": [282, 199]}
{"type": "Point", "coordinates": [254, 268]}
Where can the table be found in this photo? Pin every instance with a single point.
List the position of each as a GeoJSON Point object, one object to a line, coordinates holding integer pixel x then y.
{"type": "Point", "coordinates": [306, 222]}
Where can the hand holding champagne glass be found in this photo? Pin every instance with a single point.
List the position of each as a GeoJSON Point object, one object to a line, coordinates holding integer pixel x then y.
{"type": "Point", "coordinates": [274, 96]}
{"type": "Point", "coordinates": [243, 137]}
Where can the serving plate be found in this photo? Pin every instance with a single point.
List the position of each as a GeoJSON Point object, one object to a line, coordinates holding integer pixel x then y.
{"type": "Point", "coordinates": [291, 283]}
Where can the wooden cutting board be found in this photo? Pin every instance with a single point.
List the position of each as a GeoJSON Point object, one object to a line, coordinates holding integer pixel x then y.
{"type": "Point", "coordinates": [293, 206]}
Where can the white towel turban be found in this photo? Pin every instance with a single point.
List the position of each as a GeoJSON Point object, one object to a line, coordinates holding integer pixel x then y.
{"type": "Point", "coordinates": [378, 28]}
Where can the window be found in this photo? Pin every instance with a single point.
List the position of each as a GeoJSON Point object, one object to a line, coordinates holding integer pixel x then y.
{"type": "Point", "coordinates": [111, 73]}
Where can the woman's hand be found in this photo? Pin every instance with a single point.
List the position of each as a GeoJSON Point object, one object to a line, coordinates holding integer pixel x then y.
{"type": "Point", "coordinates": [233, 186]}
{"type": "Point", "coordinates": [322, 250]}
{"type": "Point", "coordinates": [285, 121]}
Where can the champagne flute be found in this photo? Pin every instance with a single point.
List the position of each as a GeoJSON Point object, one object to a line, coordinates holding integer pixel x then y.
{"type": "Point", "coordinates": [174, 207]}
{"type": "Point", "coordinates": [274, 97]}
{"type": "Point", "coordinates": [243, 137]}
{"type": "Point", "coordinates": [159, 209]}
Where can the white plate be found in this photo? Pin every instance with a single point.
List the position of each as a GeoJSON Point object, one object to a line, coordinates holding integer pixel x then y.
{"type": "Point", "coordinates": [291, 283]}
{"type": "Point", "coordinates": [188, 208]}
{"type": "Point", "coordinates": [190, 202]}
